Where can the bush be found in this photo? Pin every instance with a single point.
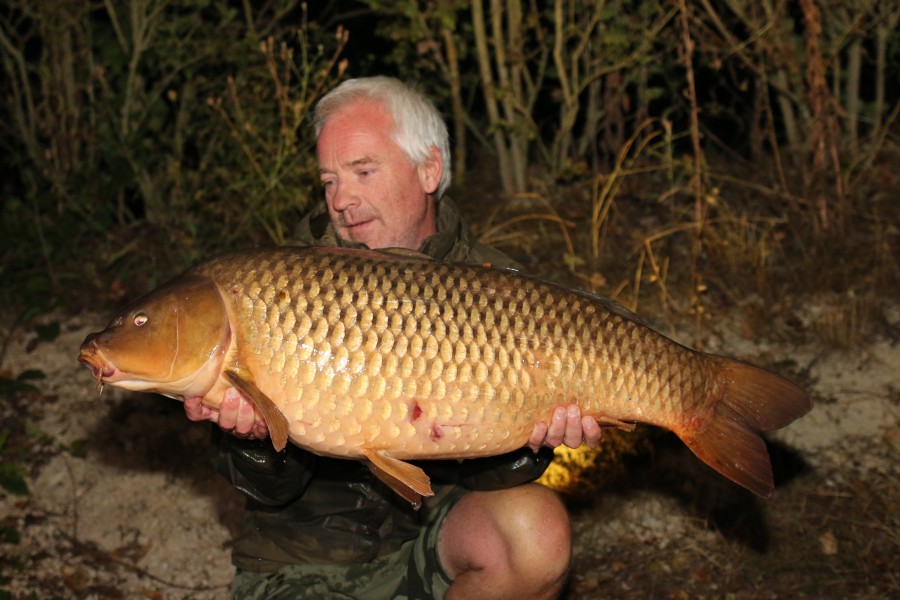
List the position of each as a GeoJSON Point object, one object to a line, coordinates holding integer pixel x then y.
{"type": "Point", "coordinates": [148, 134]}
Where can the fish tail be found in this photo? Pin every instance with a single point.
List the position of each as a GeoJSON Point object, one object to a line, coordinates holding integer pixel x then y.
{"type": "Point", "coordinates": [752, 400]}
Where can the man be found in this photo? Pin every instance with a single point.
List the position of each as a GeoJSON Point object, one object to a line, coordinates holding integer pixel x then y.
{"type": "Point", "coordinates": [322, 528]}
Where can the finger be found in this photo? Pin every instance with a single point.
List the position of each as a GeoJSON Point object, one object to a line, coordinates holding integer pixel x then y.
{"type": "Point", "coordinates": [195, 410]}
{"type": "Point", "coordinates": [592, 431]}
{"type": "Point", "coordinates": [556, 430]}
{"type": "Point", "coordinates": [192, 408]}
{"type": "Point", "coordinates": [246, 417]}
{"type": "Point", "coordinates": [260, 430]}
{"type": "Point", "coordinates": [538, 435]}
{"type": "Point", "coordinates": [574, 435]}
{"type": "Point", "coordinates": [228, 411]}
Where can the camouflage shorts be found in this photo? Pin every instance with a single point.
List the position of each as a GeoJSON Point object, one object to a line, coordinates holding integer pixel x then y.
{"type": "Point", "coordinates": [413, 572]}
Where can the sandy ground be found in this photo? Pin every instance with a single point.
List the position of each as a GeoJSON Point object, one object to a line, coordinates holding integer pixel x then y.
{"type": "Point", "coordinates": [123, 504]}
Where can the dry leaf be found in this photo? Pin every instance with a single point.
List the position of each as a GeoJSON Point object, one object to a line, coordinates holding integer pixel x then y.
{"type": "Point", "coordinates": [828, 543]}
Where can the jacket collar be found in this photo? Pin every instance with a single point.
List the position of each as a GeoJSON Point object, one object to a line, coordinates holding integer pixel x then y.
{"type": "Point", "coordinates": [451, 241]}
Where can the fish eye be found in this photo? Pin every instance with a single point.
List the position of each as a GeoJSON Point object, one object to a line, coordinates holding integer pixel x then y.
{"type": "Point", "coordinates": [140, 319]}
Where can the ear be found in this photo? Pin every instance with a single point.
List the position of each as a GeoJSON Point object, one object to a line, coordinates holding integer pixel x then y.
{"type": "Point", "coordinates": [431, 170]}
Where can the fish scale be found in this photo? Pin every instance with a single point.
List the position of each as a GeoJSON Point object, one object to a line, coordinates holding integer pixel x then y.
{"type": "Point", "coordinates": [389, 357]}
{"type": "Point", "coordinates": [497, 364]}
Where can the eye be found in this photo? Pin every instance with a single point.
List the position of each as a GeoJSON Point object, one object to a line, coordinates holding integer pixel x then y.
{"type": "Point", "coordinates": [140, 319]}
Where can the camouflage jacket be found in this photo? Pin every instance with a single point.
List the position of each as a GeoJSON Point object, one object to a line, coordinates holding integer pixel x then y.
{"type": "Point", "coordinates": [303, 508]}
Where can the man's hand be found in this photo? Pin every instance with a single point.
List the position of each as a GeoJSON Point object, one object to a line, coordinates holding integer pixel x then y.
{"type": "Point", "coordinates": [568, 427]}
{"type": "Point", "coordinates": [236, 415]}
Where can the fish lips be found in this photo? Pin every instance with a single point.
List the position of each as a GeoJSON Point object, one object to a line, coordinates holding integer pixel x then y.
{"type": "Point", "coordinates": [100, 368]}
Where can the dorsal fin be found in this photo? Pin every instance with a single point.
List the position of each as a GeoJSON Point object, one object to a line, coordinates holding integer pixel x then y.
{"type": "Point", "coordinates": [405, 253]}
{"type": "Point", "coordinates": [388, 254]}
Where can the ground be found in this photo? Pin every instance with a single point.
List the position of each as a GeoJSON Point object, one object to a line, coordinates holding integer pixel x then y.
{"type": "Point", "coordinates": [122, 502]}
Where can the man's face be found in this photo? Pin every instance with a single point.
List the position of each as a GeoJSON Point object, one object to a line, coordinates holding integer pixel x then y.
{"type": "Point", "coordinates": [375, 194]}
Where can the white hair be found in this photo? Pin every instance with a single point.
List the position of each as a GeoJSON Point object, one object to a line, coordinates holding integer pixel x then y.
{"type": "Point", "coordinates": [419, 125]}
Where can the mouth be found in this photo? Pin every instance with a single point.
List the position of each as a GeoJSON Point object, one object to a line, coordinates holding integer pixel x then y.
{"type": "Point", "coordinates": [356, 225]}
{"type": "Point", "coordinates": [100, 369]}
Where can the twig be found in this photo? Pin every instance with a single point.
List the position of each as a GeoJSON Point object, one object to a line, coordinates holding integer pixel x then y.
{"type": "Point", "coordinates": [687, 59]}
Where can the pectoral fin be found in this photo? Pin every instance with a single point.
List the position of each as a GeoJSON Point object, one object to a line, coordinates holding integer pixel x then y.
{"type": "Point", "coordinates": [408, 480]}
{"type": "Point", "coordinates": [275, 419]}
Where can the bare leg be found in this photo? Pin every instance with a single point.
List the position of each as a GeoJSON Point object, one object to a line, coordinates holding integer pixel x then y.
{"type": "Point", "coordinates": [513, 543]}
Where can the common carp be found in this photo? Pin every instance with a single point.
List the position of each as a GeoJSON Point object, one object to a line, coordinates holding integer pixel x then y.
{"type": "Point", "coordinates": [387, 356]}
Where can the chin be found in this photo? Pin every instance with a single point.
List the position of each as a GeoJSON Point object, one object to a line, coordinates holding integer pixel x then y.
{"type": "Point", "coordinates": [364, 234]}
{"type": "Point", "coordinates": [375, 242]}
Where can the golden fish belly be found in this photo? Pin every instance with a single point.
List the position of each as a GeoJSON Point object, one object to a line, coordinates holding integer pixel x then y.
{"type": "Point", "coordinates": [426, 359]}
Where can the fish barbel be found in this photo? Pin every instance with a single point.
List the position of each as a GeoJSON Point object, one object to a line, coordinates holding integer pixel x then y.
{"type": "Point", "coordinates": [389, 356]}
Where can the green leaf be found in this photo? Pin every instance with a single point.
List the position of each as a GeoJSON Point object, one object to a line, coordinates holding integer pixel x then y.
{"type": "Point", "coordinates": [9, 387]}
{"type": "Point", "coordinates": [31, 374]}
{"type": "Point", "coordinates": [12, 481]}
{"type": "Point", "coordinates": [79, 448]}
{"type": "Point", "coordinates": [8, 535]}
{"type": "Point", "coordinates": [48, 332]}
{"type": "Point", "coordinates": [572, 261]}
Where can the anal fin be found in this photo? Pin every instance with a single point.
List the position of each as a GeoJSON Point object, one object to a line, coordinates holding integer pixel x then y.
{"type": "Point", "coordinates": [409, 481]}
{"type": "Point", "coordinates": [275, 419]}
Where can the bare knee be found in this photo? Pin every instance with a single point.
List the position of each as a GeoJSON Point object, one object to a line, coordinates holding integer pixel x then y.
{"type": "Point", "coordinates": [511, 543]}
{"type": "Point", "coordinates": [540, 534]}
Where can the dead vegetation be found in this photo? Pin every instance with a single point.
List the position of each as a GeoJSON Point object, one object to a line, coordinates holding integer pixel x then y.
{"type": "Point", "coordinates": [119, 500]}
{"type": "Point", "coordinates": [754, 213]}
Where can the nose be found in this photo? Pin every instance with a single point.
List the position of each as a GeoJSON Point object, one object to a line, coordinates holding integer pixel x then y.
{"type": "Point", "coordinates": [90, 345]}
{"type": "Point", "coordinates": [342, 196]}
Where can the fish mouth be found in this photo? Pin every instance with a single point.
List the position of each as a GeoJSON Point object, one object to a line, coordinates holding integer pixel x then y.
{"type": "Point", "coordinates": [100, 369]}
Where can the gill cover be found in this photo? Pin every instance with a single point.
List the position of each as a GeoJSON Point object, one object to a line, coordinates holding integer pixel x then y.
{"type": "Point", "coordinates": [170, 341]}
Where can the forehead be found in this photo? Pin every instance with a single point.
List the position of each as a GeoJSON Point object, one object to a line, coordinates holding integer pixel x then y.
{"type": "Point", "coordinates": [361, 132]}
{"type": "Point", "coordinates": [360, 119]}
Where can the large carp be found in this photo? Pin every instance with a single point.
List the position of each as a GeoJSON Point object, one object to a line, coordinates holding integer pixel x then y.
{"type": "Point", "coordinates": [389, 356]}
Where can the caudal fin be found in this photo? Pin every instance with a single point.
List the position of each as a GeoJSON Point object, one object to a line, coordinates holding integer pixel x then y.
{"type": "Point", "coordinates": [753, 400]}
